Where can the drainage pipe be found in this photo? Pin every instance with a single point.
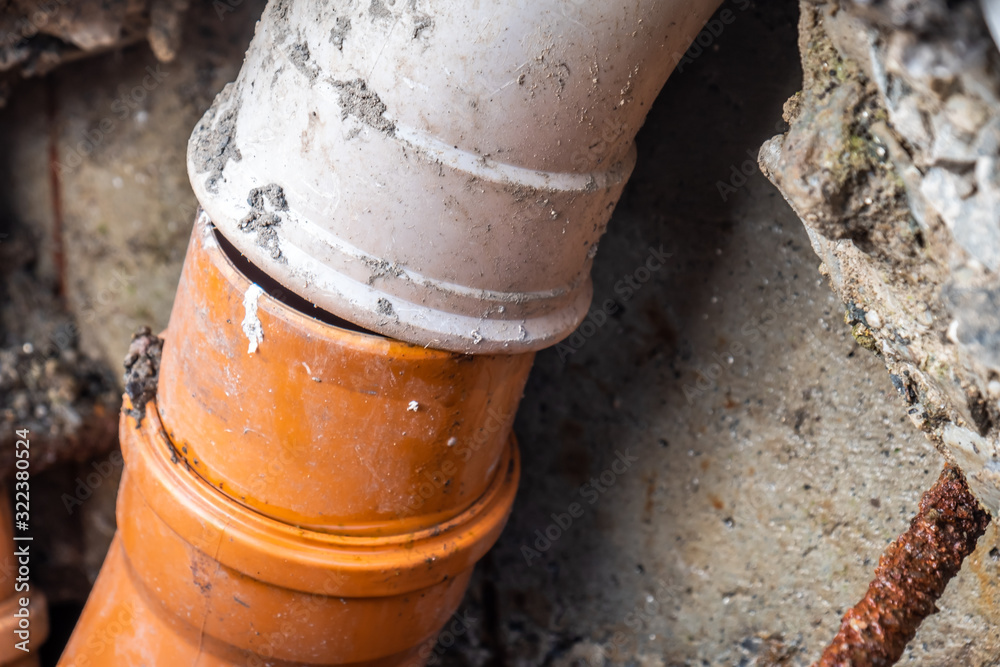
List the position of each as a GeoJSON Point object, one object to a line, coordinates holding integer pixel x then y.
{"type": "Point", "coordinates": [438, 172]}
{"type": "Point", "coordinates": [291, 502]}
{"type": "Point", "coordinates": [302, 491]}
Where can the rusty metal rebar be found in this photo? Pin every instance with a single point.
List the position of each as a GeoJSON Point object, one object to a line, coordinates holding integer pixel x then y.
{"type": "Point", "coordinates": [911, 575]}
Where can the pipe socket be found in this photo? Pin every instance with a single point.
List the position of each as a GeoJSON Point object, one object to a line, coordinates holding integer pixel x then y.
{"type": "Point", "coordinates": [438, 172]}
{"type": "Point", "coordinates": [320, 426]}
{"type": "Point", "coordinates": [195, 578]}
{"type": "Point", "coordinates": [297, 488]}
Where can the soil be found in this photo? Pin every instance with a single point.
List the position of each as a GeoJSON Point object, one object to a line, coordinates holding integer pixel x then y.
{"type": "Point", "coordinates": [66, 400]}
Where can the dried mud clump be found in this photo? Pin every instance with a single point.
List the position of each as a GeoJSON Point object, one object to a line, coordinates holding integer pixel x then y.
{"type": "Point", "coordinates": [142, 371]}
{"type": "Point", "coordinates": [341, 26]}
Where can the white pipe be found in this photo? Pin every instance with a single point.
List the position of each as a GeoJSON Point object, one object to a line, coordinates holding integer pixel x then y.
{"type": "Point", "coordinates": [440, 172]}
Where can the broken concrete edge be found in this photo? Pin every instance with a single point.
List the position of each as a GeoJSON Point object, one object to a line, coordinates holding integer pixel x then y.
{"type": "Point", "coordinates": [887, 217]}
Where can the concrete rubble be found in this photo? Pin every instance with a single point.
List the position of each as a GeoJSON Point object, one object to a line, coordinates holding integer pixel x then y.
{"type": "Point", "coordinates": [893, 164]}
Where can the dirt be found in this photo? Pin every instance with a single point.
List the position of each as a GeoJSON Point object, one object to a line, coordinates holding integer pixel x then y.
{"type": "Point", "coordinates": [262, 222]}
{"type": "Point", "coordinates": [421, 22]}
{"type": "Point", "coordinates": [213, 141]}
{"type": "Point", "coordinates": [384, 307]}
{"type": "Point", "coordinates": [142, 371]}
{"type": "Point", "coordinates": [381, 267]}
{"type": "Point", "coordinates": [65, 399]}
{"type": "Point", "coordinates": [364, 104]}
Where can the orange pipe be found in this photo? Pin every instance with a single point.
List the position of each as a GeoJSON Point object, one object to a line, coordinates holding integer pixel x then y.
{"type": "Point", "coordinates": [316, 403]}
{"type": "Point", "coordinates": [320, 501]}
{"type": "Point", "coordinates": [11, 598]}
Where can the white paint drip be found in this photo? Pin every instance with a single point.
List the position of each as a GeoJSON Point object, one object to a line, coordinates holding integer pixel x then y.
{"type": "Point", "coordinates": [251, 325]}
{"type": "Point", "coordinates": [208, 238]}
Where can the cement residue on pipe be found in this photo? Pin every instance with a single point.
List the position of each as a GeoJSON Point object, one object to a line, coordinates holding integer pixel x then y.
{"type": "Point", "coordinates": [378, 10]}
{"type": "Point", "coordinates": [381, 267]}
{"type": "Point", "coordinates": [262, 221]}
{"type": "Point", "coordinates": [364, 104]}
{"type": "Point", "coordinates": [421, 22]}
{"type": "Point", "coordinates": [384, 307]}
{"type": "Point", "coordinates": [341, 26]}
{"type": "Point", "coordinates": [299, 55]}
{"type": "Point", "coordinates": [213, 142]}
